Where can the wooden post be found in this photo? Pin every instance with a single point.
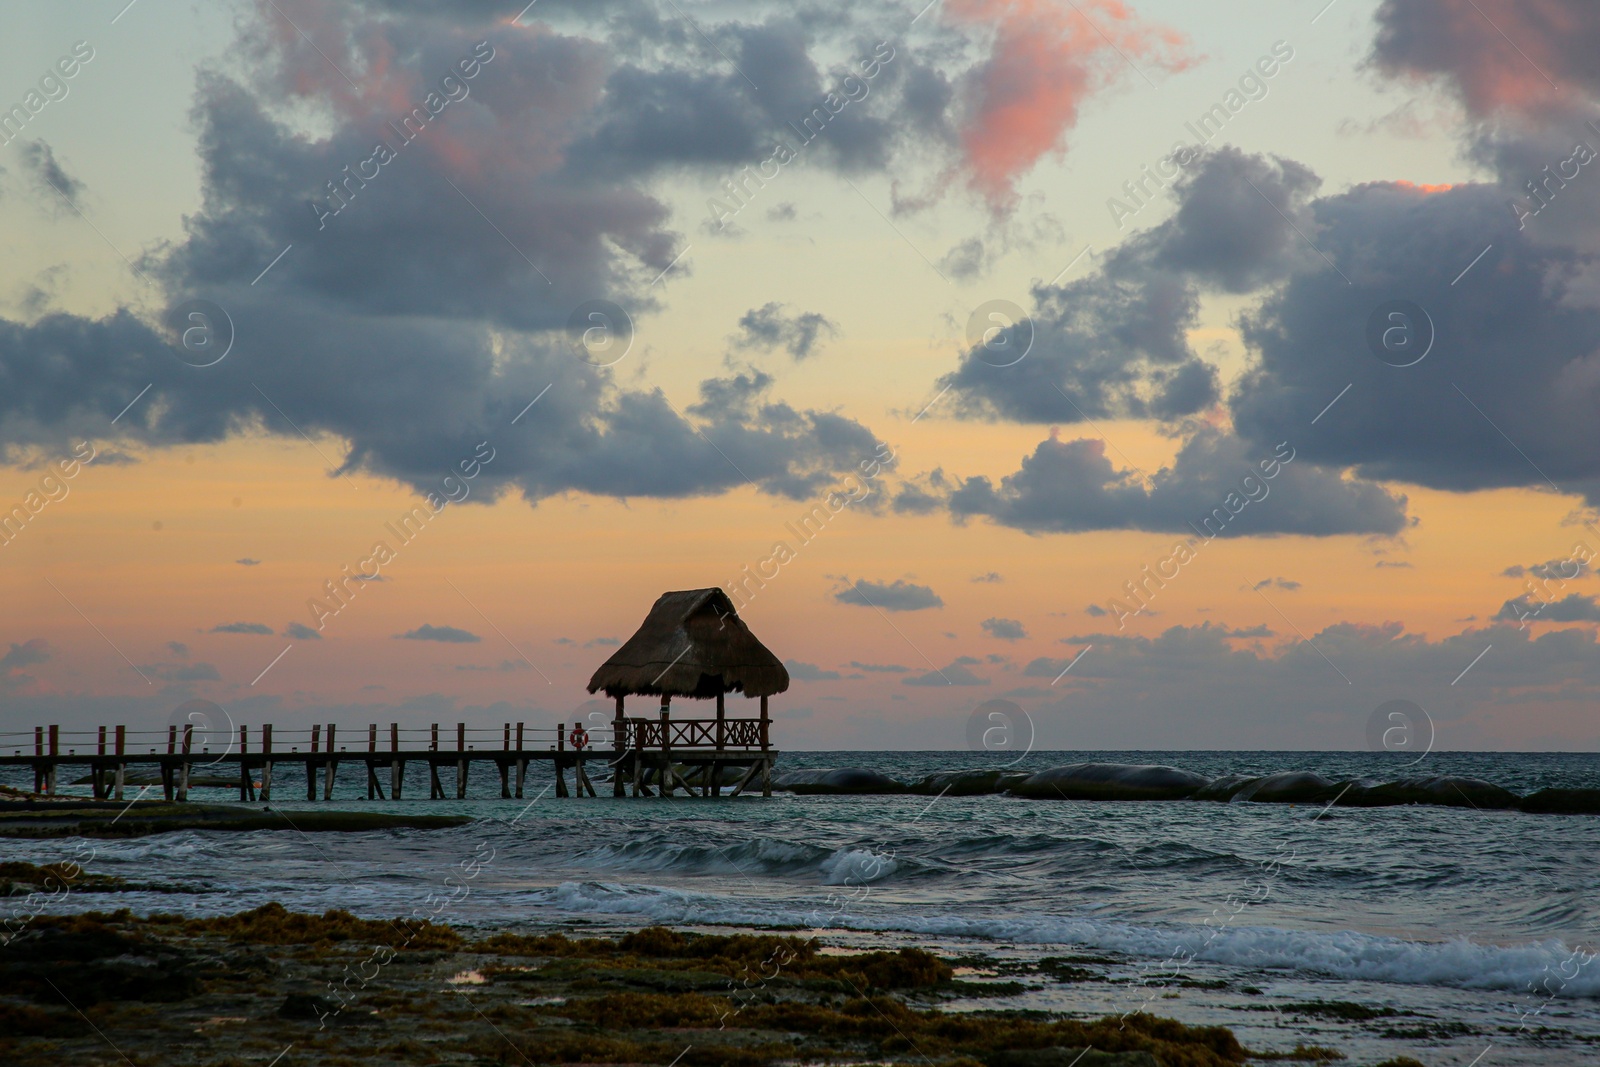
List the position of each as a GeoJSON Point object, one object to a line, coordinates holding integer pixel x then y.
{"type": "Point", "coordinates": [372, 748]}
{"type": "Point", "coordinates": [560, 760]}
{"type": "Point", "coordinates": [247, 789]}
{"type": "Point", "coordinates": [397, 766]}
{"type": "Point", "coordinates": [330, 768]}
{"type": "Point", "coordinates": [766, 759]}
{"type": "Point", "coordinates": [183, 768]}
{"type": "Point", "coordinates": [98, 775]}
{"type": "Point", "coordinates": [122, 768]}
{"type": "Point", "coordinates": [666, 745]}
{"type": "Point", "coordinates": [311, 764]}
{"type": "Point", "coordinates": [38, 763]}
{"type": "Point", "coordinates": [435, 787]}
{"type": "Point", "coordinates": [619, 746]}
{"type": "Point", "coordinates": [55, 750]}
{"type": "Point", "coordinates": [522, 763]}
{"type": "Point", "coordinates": [266, 763]}
{"type": "Point", "coordinates": [461, 761]}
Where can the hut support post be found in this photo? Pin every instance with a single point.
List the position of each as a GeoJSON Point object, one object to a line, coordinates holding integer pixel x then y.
{"type": "Point", "coordinates": [122, 768]}
{"type": "Point", "coordinates": [560, 760]}
{"type": "Point", "coordinates": [619, 745]}
{"type": "Point", "coordinates": [522, 763]}
{"type": "Point", "coordinates": [266, 763]}
{"type": "Point", "coordinates": [461, 761]}
{"type": "Point", "coordinates": [247, 789]}
{"type": "Point", "coordinates": [330, 768]}
{"type": "Point", "coordinates": [766, 758]}
{"type": "Point", "coordinates": [397, 766]}
{"type": "Point", "coordinates": [311, 764]}
{"type": "Point", "coordinates": [183, 768]}
{"type": "Point", "coordinates": [666, 745]}
{"type": "Point", "coordinates": [436, 787]}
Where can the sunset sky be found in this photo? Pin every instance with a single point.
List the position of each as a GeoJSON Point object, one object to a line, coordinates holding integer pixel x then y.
{"type": "Point", "coordinates": [1091, 272]}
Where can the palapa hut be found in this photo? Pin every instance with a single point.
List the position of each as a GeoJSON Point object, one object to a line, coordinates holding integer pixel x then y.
{"type": "Point", "coordinates": [693, 644]}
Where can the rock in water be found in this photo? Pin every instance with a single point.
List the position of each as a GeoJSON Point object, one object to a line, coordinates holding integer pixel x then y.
{"type": "Point", "coordinates": [1563, 801]}
{"type": "Point", "coordinates": [842, 780]}
{"type": "Point", "coordinates": [1290, 787]}
{"type": "Point", "coordinates": [1445, 791]}
{"type": "Point", "coordinates": [1110, 781]}
{"type": "Point", "coordinates": [968, 783]}
{"type": "Point", "coordinates": [1223, 789]}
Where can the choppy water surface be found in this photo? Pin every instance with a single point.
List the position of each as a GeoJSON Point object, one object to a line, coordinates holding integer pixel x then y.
{"type": "Point", "coordinates": [1475, 919]}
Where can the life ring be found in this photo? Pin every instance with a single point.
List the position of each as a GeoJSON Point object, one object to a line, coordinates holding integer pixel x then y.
{"type": "Point", "coordinates": [579, 737]}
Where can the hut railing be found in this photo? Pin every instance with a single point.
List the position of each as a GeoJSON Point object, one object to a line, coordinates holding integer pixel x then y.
{"type": "Point", "coordinates": [690, 733]}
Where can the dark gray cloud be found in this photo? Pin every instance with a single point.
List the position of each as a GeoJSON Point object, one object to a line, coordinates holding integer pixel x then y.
{"type": "Point", "coordinates": [40, 162]}
{"type": "Point", "coordinates": [957, 672]}
{"type": "Point", "coordinates": [880, 668]}
{"type": "Point", "coordinates": [182, 672]}
{"type": "Point", "coordinates": [248, 562]}
{"type": "Point", "coordinates": [423, 316]}
{"type": "Point", "coordinates": [1114, 344]}
{"type": "Point", "coordinates": [1070, 486]}
{"type": "Point", "coordinates": [446, 634]}
{"type": "Point", "coordinates": [768, 327]}
{"type": "Point", "coordinates": [1574, 607]}
{"type": "Point", "coordinates": [242, 628]}
{"type": "Point", "coordinates": [1184, 684]}
{"type": "Point", "coordinates": [34, 650]}
{"type": "Point", "coordinates": [179, 649]}
{"type": "Point", "coordinates": [1004, 629]}
{"type": "Point", "coordinates": [301, 632]}
{"type": "Point", "coordinates": [602, 642]}
{"type": "Point", "coordinates": [810, 672]}
{"type": "Point", "coordinates": [1286, 584]}
{"type": "Point", "coordinates": [1505, 396]}
{"type": "Point", "coordinates": [991, 576]}
{"type": "Point", "coordinates": [898, 595]}
{"type": "Point", "coordinates": [1495, 54]}
{"type": "Point", "coordinates": [1095, 609]}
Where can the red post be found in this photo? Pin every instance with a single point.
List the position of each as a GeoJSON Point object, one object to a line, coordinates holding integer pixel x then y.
{"type": "Point", "coordinates": [121, 738]}
{"type": "Point", "coordinates": [519, 737]}
{"type": "Point", "coordinates": [394, 737]}
{"type": "Point", "coordinates": [461, 737]}
{"type": "Point", "coordinates": [55, 740]}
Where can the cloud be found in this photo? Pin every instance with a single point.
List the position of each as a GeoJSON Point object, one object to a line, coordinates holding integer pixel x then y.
{"type": "Point", "coordinates": [505, 666]}
{"type": "Point", "coordinates": [1004, 629]}
{"type": "Point", "coordinates": [1046, 61]}
{"type": "Point", "coordinates": [810, 672]}
{"type": "Point", "coordinates": [602, 642]}
{"type": "Point", "coordinates": [767, 327]}
{"type": "Point", "coordinates": [1550, 44]}
{"type": "Point", "coordinates": [1286, 584]}
{"type": "Point", "coordinates": [408, 283]}
{"type": "Point", "coordinates": [301, 632]}
{"type": "Point", "coordinates": [1095, 609]}
{"type": "Point", "coordinates": [447, 634]}
{"type": "Point", "coordinates": [1525, 693]}
{"type": "Point", "coordinates": [1071, 486]}
{"type": "Point", "coordinates": [956, 672]}
{"type": "Point", "coordinates": [1574, 607]}
{"type": "Point", "coordinates": [182, 672]}
{"type": "Point", "coordinates": [1115, 343]}
{"type": "Point", "coordinates": [1402, 564]}
{"type": "Point", "coordinates": [40, 161]}
{"type": "Point", "coordinates": [242, 628]}
{"type": "Point", "coordinates": [992, 576]}
{"type": "Point", "coordinates": [179, 649]}
{"type": "Point", "coordinates": [899, 595]}
{"type": "Point", "coordinates": [247, 562]}
{"type": "Point", "coordinates": [880, 668]}
{"type": "Point", "coordinates": [33, 651]}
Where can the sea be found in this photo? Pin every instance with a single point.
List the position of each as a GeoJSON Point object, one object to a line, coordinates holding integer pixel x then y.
{"type": "Point", "coordinates": [1454, 936]}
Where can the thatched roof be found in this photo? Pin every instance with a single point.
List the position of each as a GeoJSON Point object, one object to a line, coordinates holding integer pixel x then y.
{"type": "Point", "coordinates": [692, 644]}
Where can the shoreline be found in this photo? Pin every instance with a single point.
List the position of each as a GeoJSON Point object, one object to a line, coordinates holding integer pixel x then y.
{"type": "Point", "coordinates": [239, 988]}
{"type": "Point", "coordinates": [75, 817]}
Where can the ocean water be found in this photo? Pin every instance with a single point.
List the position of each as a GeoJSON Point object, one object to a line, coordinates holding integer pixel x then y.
{"type": "Point", "coordinates": [1477, 926]}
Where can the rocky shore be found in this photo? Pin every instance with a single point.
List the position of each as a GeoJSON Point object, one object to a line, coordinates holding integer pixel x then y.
{"type": "Point", "coordinates": [333, 989]}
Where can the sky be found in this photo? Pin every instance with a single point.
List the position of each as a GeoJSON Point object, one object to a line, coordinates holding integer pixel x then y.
{"type": "Point", "coordinates": [1151, 375]}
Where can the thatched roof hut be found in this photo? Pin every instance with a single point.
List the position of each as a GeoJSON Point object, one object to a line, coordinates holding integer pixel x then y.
{"type": "Point", "coordinates": [692, 644]}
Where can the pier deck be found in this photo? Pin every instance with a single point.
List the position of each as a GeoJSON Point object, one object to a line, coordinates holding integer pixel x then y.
{"type": "Point", "coordinates": [647, 757]}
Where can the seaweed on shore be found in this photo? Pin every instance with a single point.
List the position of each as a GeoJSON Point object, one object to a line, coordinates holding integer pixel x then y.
{"type": "Point", "coordinates": [174, 991]}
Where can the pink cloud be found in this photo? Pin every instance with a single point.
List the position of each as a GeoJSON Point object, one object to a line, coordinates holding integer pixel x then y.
{"type": "Point", "coordinates": [1048, 59]}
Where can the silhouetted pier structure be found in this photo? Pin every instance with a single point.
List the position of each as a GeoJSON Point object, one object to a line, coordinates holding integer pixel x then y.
{"type": "Point", "coordinates": [691, 645]}
{"type": "Point", "coordinates": [647, 755]}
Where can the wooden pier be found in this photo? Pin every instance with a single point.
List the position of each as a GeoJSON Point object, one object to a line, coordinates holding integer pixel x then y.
{"type": "Point", "coordinates": [648, 757]}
